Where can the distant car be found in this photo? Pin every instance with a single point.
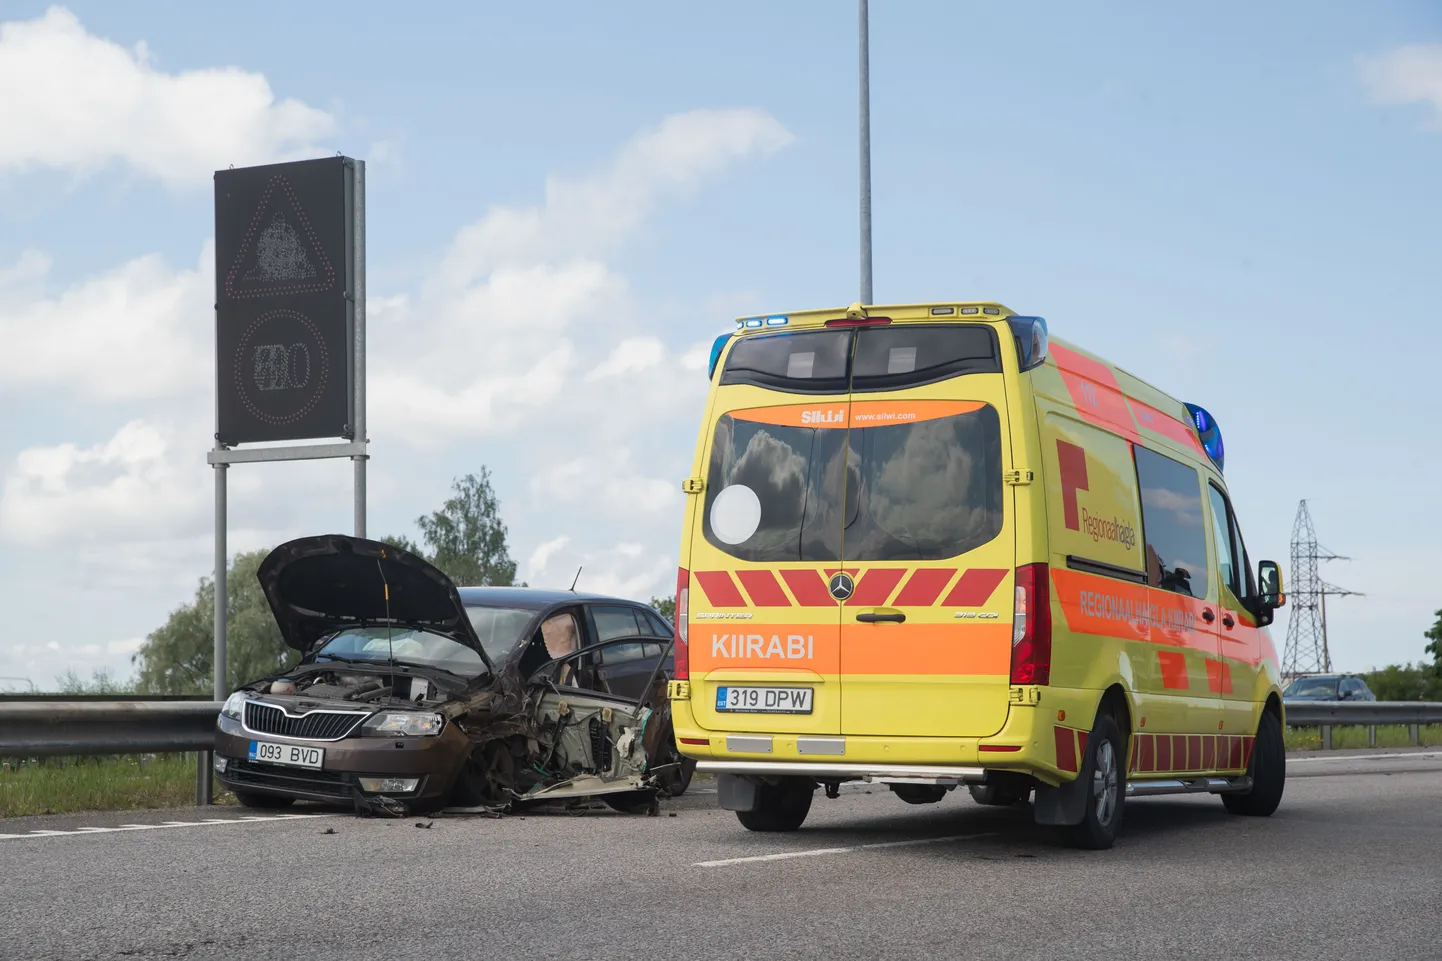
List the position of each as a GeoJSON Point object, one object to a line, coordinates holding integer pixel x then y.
{"type": "Point", "coordinates": [413, 694]}
{"type": "Point", "coordinates": [1328, 687]}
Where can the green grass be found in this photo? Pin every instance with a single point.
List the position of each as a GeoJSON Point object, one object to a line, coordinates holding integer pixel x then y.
{"type": "Point", "coordinates": [1394, 735]}
{"type": "Point", "coordinates": [65, 785]}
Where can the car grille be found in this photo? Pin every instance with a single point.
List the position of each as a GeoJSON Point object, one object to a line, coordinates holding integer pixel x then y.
{"type": "Point", "coordinates": [315, 726]}
{"type": "Point", "coordinates": [326, 783]}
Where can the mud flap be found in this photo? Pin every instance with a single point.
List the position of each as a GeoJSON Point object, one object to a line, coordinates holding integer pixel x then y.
{"type": "Point", "coordinates": [1063, 805]}
{"type": "Point", "coordinates": [736, 793]}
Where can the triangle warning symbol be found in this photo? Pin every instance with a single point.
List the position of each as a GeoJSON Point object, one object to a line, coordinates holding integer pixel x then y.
{"type": "Point", "coordinates": [280, 253]}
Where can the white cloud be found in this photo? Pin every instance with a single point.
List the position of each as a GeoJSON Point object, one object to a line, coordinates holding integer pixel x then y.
{"type": "Point", "coordinates": [125, 647]}
{"type": "Point", "coordinates": [124, 488]}
{"type": "Point", "coordinates": [520, 302]}
{"type": "Point", "coordinates": [79, 102]}
{"type": "Point", "coordinates": [1408, 74]}
{"type": "Point", "coordinates": [607, 485]}
{"type": "Point", "coordinates": [541, 556]}
{"type": "Point", "coordinates": [127, 334]}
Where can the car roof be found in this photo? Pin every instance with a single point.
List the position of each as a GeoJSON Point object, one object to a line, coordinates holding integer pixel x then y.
{"type": "Point", "coordinates": [532, 598]}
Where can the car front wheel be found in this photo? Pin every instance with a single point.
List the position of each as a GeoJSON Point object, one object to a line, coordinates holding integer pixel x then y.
{"type": "Point", "coordinates": [1267, 769]}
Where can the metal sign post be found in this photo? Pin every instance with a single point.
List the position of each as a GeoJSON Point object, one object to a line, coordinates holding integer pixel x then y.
{"type": "Point", "coordinates": [290, 337]}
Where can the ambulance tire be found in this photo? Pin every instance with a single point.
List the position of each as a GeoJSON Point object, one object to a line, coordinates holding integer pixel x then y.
{"type": "Point", "coordinates": [1268, 770]}
{"type": "Point", "coordinates": [779, 807]}
{"type": "Point", "coordinates": [1104, 774]}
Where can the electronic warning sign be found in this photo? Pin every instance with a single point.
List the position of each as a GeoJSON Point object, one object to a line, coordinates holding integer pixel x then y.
{"type": "Point", "coordinates": [284, 311]}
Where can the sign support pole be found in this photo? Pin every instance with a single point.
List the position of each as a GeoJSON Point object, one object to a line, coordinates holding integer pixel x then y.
{"type": "Point", "coordinates": [204, 759]}
{"type": "Point", "coordinates": [358, 298]}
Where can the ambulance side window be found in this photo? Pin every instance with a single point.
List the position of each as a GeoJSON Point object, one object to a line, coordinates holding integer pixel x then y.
{"type": "Point", "coordinates": [1176, 540]}
{"type": "Point", "coordinates": [1222, 537]}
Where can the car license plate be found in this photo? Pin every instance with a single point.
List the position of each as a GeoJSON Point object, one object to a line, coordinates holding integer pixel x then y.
{"type": "Point", "coordinates": [764, 700]}
{"type": "Point", "coordinates": [291, 755]}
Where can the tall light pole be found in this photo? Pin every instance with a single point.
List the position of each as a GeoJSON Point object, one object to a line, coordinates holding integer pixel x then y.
{"type": "Point", "coordinates": [865, 158]}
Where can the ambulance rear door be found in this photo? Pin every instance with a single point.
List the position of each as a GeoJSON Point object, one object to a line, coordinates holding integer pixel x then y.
{"type": "Point", "coordinates": [928, 534]}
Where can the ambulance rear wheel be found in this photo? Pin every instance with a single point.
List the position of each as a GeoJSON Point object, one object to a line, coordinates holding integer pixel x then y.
{"type": "Point", "coordinates": [1104, 779]}
{"type": "Point", "coordinates": [779, 807]}
{"type": "Point", "coordinates": [1267, 769]}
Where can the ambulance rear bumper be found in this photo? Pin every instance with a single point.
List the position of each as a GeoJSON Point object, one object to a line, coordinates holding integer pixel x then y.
{"type": "Point", "coordinates": [821, 770]}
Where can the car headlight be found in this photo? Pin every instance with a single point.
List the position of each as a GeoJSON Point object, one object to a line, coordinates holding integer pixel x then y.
{"type": "Point", "coordinates": [235, 704]}
{"type": "Point", "coordinates": [404, 725]}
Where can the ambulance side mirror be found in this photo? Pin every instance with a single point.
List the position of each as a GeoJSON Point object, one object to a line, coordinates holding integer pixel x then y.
{"type": "Point", "coordinates": [1269, 580]}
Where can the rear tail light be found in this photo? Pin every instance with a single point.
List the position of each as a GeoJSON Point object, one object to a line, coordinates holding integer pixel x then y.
{"type": "Point", "coordinates": [683, 606]}
{"type": "Point", "coordinates": [1031, 628]}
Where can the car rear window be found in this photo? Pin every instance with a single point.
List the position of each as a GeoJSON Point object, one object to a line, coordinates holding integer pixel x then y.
{"type": "Point", "coordinates": [906, 355]}
{"type": "Point", "coordinates": [866, 359]}
{"type": "Point", "coordinates": [774, 493]}
{"type": "Point", "coordinates": [812, 362]}
{"type": "Point", "coordinates": [925, 490]}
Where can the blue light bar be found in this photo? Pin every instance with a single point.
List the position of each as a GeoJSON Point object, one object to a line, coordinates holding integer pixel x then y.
{"type": "Point", "coordinates": [775, 321]}
{"type": "Point", "coordinates": [754, 321]}
{"type": "Point", "coordinates": [1209, 434]}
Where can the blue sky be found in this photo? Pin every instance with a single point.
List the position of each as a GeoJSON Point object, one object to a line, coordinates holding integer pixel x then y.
{"type": "Point", "coordinates": [567, 202]}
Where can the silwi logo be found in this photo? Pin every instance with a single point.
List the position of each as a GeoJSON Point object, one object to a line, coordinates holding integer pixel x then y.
{"type": "Point", "coordinates": [834, 416]}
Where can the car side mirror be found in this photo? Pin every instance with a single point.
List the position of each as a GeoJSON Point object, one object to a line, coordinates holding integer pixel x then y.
{"type": "Point", "coordinates": [1269, 581]}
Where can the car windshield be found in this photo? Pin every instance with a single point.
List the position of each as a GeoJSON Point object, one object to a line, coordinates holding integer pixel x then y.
{"type": "Point", "coordinates": [499, 628]}
{"type": "Point", "coordinates": [1312, 687]}
{"type": "Point", "coordinates": [407, 646]}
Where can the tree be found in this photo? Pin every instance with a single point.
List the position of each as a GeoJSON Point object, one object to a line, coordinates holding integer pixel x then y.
{"type": "Point", "coordinates": [466, 537]}
{"type": "Point", "coordinates": [1434, 635]}
{"type": "Point", "coordinates": [101, 682]}
{"type": "Point", "coordinates": [177, 658]}
{"type": "Point", "coordinates": [666, 606]}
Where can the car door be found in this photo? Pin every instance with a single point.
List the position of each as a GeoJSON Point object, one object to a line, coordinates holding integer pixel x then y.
{"type": "Point", "coordinates": [1238, 674]}
{"type": "Point", "coordinates": [624, 667]}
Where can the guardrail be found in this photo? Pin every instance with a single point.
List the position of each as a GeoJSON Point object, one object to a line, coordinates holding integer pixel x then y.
{"type": "Point", "coordinates": [57, 725]}
{"type": "Point", "coordinates": [1369, 714]}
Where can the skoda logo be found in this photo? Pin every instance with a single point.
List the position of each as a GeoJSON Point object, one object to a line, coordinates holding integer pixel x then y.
{"type": "Point", "coordinates": [841, 586]}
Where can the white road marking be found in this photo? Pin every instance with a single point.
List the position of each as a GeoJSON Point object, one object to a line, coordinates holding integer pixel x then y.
{"type": "Point", "coordinates": [1406, 756]}
{"type": "Point", "coordinates": [847, 850]}
{"type": "Point", "coordinates": [156, 827]}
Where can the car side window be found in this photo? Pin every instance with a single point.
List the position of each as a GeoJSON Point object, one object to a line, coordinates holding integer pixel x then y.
{"type": "Point", "coordinates": [614, 622]}
{"type": "Point", "coordinates": [657, 624]}
{"type": "Point", "coordinates": [1227, 567]}
{"type": "Point", "coordinates": [1176, 541]}
{"type": "Point", "coordinates": [615, 654]}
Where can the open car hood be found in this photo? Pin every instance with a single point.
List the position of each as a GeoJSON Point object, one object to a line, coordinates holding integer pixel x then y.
{"type": "Point", "coordinates": [319, 585]}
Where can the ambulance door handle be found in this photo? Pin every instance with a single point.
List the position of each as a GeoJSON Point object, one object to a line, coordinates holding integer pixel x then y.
{"type": "Point", "coordinates": [896, 617]}
{"type": "Point", "coordinates": [1227, 621]}
{"type": "Point", "coordinates": [1207, 615]}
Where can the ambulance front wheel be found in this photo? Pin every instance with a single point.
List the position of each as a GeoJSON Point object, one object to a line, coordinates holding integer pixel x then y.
{"type": "Point", "coordinates": [1267, 769]}
{"type": "Point", "coordinates": [779, 807]}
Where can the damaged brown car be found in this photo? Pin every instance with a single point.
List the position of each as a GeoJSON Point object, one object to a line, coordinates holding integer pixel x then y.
{"type": "Point", "coordinates": [415, 695]}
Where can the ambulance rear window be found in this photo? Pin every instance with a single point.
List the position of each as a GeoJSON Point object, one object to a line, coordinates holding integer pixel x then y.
{"type": "Point", "coordinates": [905, 355]}
{"type": "Point", "coordinates": [774, 492]}
{"type": "Point", "coordinates": [813, 362]}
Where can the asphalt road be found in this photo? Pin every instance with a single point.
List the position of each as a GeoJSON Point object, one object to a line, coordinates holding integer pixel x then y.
{"type": "Point", "coordinates": [1349, 867]}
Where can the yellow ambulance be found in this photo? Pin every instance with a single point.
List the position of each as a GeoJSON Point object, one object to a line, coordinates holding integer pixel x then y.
{"type": "Point", "coordinates": [928, 546]}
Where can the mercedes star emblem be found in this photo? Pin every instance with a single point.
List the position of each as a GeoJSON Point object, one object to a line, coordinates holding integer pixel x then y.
{"type": "Point", "coordinates": [841, 586]}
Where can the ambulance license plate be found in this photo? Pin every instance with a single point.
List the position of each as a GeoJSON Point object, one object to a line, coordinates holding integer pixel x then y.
{"type": "Point", "coordinates": [290, 755]}
{"type": "Point", "coordinates": [764, 700]}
